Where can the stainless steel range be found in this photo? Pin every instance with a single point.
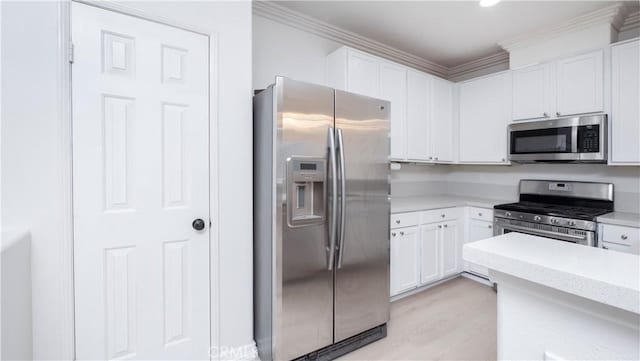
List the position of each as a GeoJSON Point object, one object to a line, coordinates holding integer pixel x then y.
{"type": "Point", "coordinates": [562, 210]}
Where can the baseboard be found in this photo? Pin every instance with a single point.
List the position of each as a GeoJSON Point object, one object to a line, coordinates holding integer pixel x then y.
{"type": "Point", "coordinates": [423, 288]}
{"type": "Point", "coordinates": [477, 278]}
{"type": "Point", "coordinates": [240, 353]}
{"type": "Point", "coordinates": [465, 274]}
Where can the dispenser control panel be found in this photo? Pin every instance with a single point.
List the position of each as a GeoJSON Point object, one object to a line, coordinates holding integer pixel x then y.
{"type": "Point", "coordinates": [306, 189]}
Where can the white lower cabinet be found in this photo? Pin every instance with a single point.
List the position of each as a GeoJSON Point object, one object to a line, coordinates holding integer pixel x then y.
{"type": "Point", "coordinates": [404, 259]}
{"type": "Point", "coordinates": [430, 254]}
{"type": "Point", "coordinates": [451, 245]}
{"type": "Point", "coordinates": [478, 229]}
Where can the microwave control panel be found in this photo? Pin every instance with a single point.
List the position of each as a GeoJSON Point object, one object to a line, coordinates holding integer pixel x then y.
{"type": "Point", "coordinates": [589, 139]}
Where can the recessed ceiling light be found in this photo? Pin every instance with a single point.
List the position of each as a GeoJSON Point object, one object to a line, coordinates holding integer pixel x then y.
{"type": "Point", "coordinates": [487, 3]}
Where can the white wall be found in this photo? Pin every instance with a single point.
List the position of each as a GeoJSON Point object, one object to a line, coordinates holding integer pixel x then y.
{"type": "Point", "coordinates": [283, 50]}
{"type": "Point", "coordinates": [31, 158]}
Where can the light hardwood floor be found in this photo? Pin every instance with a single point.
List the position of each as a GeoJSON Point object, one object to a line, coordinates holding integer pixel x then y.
{"type": "Point", "coordinates": [452, 321]}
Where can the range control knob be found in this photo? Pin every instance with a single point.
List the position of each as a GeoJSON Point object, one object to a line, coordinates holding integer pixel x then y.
{"type": "Point", "coordinates": [554, 221]}
{"type": "Point", "coordinates": [537, 218]}
{"type": "Point", "coordinates": [507, 214]}
{"type": "Point", "coordinates": [572, 223]}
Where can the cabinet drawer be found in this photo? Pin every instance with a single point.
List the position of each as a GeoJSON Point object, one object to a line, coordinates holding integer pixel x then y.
{"type": "Point", "coordinates": [621, 235]}
{"type": "Point", "coordinates": [437, 215]}
{"type": "Point", "coordinates": [481, 214]}
{"type": "Point", "coordinates": [620, 247]}
{"type": "Point", "coordinates": [405, 219]}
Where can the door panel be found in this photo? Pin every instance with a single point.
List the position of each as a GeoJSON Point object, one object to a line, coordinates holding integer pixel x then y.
{"type": "Point", "coordinates": [404, 259]}
{"type": "Point", "coordinates": [140, 176]}
{"type": "Point", "coordinates": [362, 283]}
{"type": "Point", "coordinates": [303, 318]}
{"type": "Point", "coordinates": [393, 87]}
{"type": "Point", "coordinates": [418, 144]}
{"type": "Point", "coordinates": [625, 107]}
{"type": "Point", "coordinates": [451, 250]}
{"type": "Point", "coordinates": [430, 267]}
{"type": "Point", "coordinates": [531, 88]}
{"type": "Point", "coordinates": [441, 132]}
{"type": "Point", "coordinates": [363, 74]}
{"type": "Point", "coordinates": [581, 84]}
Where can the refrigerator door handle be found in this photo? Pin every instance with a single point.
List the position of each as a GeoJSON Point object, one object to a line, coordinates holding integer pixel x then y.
{"type": "Point", "coordinates": [334, 199]}
{"type": "Point", "coordinates": [343, 197]}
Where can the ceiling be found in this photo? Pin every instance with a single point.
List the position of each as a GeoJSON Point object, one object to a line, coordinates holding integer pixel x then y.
{"type": "Point", "coordinates": [448, 33]}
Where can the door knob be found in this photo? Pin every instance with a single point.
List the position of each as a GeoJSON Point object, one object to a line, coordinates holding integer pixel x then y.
{"type": "Point", "coordinates": [198, 224]}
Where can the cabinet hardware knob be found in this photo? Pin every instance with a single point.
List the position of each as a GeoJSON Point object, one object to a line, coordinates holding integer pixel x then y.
{"type": "Point", "coordinates": [558, 114]}
{"type": "Point", "coordinates": [436, 158]}
{"type": "Point", "coordinates": [504, 160]}
{"type": "Point", "coordinates": [402, 233]}
{"type": "Point", "coordinates": [545, 114]}
{"type": "Point", "coordinates": [445, 226]}
{"type": "Point", "coordinates": [430, 158]}
{"type": "Point", "coordinates": [393, 234]}
{"type": "Point", "coordinates": [605, 247]}
{"type": "Point", "coordinates": [490, 226]}
{"type": "Point", "coordinates": [442, 215]}
{"type": "Point", "coordinates": [397, 221]}
{"type": "Point", "coordinates": [480, 214]}
{"type": "Point", "coordinates": [624, 236]}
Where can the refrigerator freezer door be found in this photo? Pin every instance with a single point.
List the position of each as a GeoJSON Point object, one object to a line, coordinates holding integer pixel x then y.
{"type": "Point", "coordinates": [303, 294]}
{"type": "Point", "coordinates": [362, 278]}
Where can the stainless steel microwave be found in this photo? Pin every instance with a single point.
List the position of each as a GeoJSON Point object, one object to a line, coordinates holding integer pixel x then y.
{"type": "Point", "coordinates": [581, 139]}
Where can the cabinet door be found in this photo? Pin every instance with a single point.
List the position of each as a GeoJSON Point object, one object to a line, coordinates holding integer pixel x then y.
{"type": "Point", "coordinates": [362, 74]}
{"type": "Point", "coordinates": [485, 110]}
{"type": "Point", "coordinates": [429, 265]}
{"type": "Point", "coordinates": [625, 103]}
{"type": "Point", "coordinates": [404, 259]}
{"type": "Point", "coordinates": [580, 84]}
{"type": "Point", "coordinates": [418, 146]}
{"type": "Point", "coordinates": [441, 120]}
{"type": "Point", "coordinates": [450, 244]}
{"type": "Point", "coordinates": [479, 230]}
{"type": "Point", "coordinates": [532, 88]}
{"type": "Point", "coordinates": [393, 87]}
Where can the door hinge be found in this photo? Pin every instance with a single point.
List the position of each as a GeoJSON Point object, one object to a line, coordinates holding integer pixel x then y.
{"type": "Point", "coordinates": [71, 53]}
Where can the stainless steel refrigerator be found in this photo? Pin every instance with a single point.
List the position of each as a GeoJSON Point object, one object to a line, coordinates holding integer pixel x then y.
{"type": "Point", "coordinates": [321, 220]}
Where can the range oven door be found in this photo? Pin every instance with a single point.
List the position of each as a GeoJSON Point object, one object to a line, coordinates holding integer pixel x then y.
{"type": "Point", "coordinates": [504, 226]}
{"type": "Point", "coordinates": [579, 139]}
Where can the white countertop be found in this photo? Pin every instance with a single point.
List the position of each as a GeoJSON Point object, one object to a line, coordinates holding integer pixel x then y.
{"type": "Point", "coordinates": [421, 203]}
{"type": "Point", "coordinates": [603, 276]}
{"type": "Point", "coordinates": [621, 219]}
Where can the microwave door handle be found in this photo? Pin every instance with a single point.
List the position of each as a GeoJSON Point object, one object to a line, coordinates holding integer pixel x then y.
{"type": "Point", "coordinates": [343, 197]}
{"type": "Point", "coordinates": [574, 139]}
{"type": "Point", "coordinates": [334, 199]}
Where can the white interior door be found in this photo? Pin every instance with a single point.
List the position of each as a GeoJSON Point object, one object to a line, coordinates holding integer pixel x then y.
{"type": "Point", "coordinates": [140, 178]}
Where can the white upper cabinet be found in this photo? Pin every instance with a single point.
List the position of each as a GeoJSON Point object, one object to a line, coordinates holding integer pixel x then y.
{"type": "Point", "coordinates": [417, 101]}
{"type": "Point", "coordinates": [362, 74]}
{"type": "Point", "coordinates": [393, 87]}
{"type": "Point", "coordinates": [580, 86]}
{"type": "Point", "coordinates": [484, 112]}
{"type": "Point", "coordinates": [625, 104]}
{"type": "Point", "coordinates": [533, 89]}
{"type": "Point", "coordinates": [441, 120]}
{"type": "Point", "coordinates": [417, 136]}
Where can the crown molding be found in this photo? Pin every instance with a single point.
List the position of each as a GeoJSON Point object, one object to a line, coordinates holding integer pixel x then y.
{"type": "Point", "coordinates": [306, 23]}
{"type": "Point", "coordinates": [612, 14]}
{"type": "Point", "coordinates": [463, 71]}
{"type": "Point", "coordinates": [631, 22]}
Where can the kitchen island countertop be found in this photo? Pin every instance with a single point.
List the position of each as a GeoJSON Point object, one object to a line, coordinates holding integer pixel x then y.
{"type": "Point", "coordinates": [611, 278]}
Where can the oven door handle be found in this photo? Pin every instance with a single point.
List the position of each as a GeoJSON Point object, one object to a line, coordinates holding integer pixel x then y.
{"type": "Point", "coordinates": [536, 231]}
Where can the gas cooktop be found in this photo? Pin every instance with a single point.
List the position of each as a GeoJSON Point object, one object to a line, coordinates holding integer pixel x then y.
{"type": "Point", "coordinates": [557, 210]}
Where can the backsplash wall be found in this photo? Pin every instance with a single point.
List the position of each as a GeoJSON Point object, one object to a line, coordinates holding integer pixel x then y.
{"type": "Point", "coordinates": [501, 182]}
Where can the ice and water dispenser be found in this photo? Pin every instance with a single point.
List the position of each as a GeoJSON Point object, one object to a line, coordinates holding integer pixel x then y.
{"type": "Point", "coordinates": [306, 178]}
